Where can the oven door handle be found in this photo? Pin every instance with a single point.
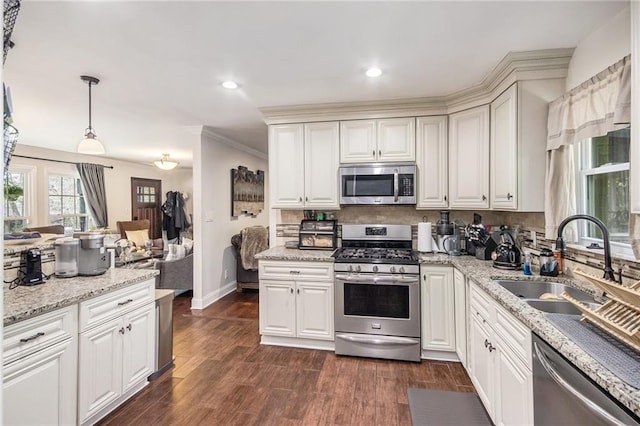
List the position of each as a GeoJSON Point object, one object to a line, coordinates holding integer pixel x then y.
{"type": "Point", "coordinates": [395, 185]}
{"type": "Point", "coordinates": [373, 340]}
{"type": "Point", "coordinates": [378, 279]}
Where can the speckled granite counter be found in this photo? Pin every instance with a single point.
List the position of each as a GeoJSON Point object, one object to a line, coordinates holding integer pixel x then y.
{"type": "Point", "coordinates": [483, 274]}
{"type": "Point", "coordinates": [24, 302]}
{"type": "Point", "coordinates": [283, 253]}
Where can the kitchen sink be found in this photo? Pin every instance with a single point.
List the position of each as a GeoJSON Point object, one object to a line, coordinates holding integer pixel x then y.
{"type": "Point", "coordinates": [558, 306]}
{"type": "Point", "coordinates": [535, 289]}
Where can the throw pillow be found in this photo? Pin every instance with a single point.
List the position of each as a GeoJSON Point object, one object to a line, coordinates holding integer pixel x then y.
{"type": "Point", "coordinates": [188, 245]}
{"type": "Point", "coordinates": [176, 251]}
{"type": "Point", "coordinates": [138, 237]}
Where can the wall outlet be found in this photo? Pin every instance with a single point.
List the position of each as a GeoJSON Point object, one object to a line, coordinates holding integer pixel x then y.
{"type": "Point", "coordinates": [226, 274]}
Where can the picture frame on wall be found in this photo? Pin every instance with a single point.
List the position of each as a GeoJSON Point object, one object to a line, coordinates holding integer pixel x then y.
{"type": "Point", "coordinates": [247, 191]}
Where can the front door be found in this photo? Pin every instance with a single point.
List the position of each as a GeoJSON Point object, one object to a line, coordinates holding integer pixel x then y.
{"type": "Point", "coordinates": [146, 199]}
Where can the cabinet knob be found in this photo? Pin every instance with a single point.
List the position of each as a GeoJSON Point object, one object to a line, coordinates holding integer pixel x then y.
{"type": "Point", "coordinates": [298, 291]}
{"type": "Point", "coordinates": [445, 198]}
{"type": "Point", "coordinates": [486, 343]}
{"type": "Point", "coordinates": [491, 348]}
{"type": "Point", "coordinates": [300, 199]}
{"type": "Point", "coordinates": [291, 290]}
{"type": "Point", "coordinates": [509, 196]}
{"type": "Point", "coordinates": [129, 327]}
{"type": "Point", "coordinates": [121, 331]}
{"type": "Point", "coordinates": [373, 153]}
{"type": "Point", "coordinates": [306, 199]}
{"type": "Point", "coordinates": [484, 198]}
{"type": "Point", "coordinates": [379, 153]}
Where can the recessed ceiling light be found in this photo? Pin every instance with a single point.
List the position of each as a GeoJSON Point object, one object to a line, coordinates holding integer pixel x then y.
{"type": "Point", "coordinates": [374, 72]}
{"type": "Point", "coordinates": [230, 85]}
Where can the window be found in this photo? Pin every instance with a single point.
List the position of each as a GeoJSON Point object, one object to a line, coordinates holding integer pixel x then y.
{"type": "Point", "coordinates": [67, 205]}
{"type": "Point", "coordinates": [603, 186]}
{"type": "Point", "coordinates": [18, 197]}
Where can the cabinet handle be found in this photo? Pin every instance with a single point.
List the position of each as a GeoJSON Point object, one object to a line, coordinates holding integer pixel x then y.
{"type": "Point", "coordinates": [445, 198]}
{"type": "Point", "coordinates": [484, 198]}
{"type": "Point", "coordinates": [35, 336]}
{"type": "Point", "coordinates": [509, 196]}
{"type": "Point", "coordinates": [294, 272]}
{"type": "Point", "coordinates": [486, 343]}
{"type": "Point", "coordinates": [306, 199]}
{"type": "Point", "coordinates": [373, 153]}
{"type": "Point", "coordinates": [291, 290]}
{"type": "Point", "coordinates": [125, 302]}
{"type": "Point", "coordinates": [298, 290]}
{"type": "Point", "coordinates": [121, 330]}
{"type": "Point", "coordinates": [300, 199]}
{"type": "Point", "coordinates": [491, 348]}
{"type": "Point", "coordinates": [129, 327]}
{"type": "Point", "coordinates": [379, 153]}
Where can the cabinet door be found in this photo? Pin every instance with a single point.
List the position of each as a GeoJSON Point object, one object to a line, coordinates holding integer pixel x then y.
{"type": "Point", "coordinates": [321, 162]}
{"type": "Point", "coordinates": [40, 389]}
{"type": "Point", "coordinates": [396, 139]}
{"type": "Point", "coordinates": [504, 150]}
{"type": "Point", "coordinates": [481, 361]}
{"type": "Point", "coordinates": [314, 310]}
{"type": "Point", "coordinates": [138, 346]}
{"type": "Point", "coordinates": [277, 308]}
{"type": "Point", "coordinates": [358, 141]}
{"type": "Point", "coordinates": [100, 374]}
{"type": "Point", "coordinates": [514, 388]}
{"type": "Point", "coordinates": [469, 159]}
{"type": "Point", "coordinates": [438, 329]}
{"type": "Point", "coordinates": [286, 166]}
{"type": "Point", "coordinates": [459, 294]}
{"type": "Point", "coordinates": [432, 162]}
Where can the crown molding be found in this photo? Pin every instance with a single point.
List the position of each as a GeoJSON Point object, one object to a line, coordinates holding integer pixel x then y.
{"type": "Point", "coordinates": [515, 66]}
{"type": "Point", "coordinates": [206, 131]}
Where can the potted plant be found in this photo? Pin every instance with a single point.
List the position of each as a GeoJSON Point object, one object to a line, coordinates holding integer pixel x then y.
{"type": "Point", "coordinates": [12, 192]}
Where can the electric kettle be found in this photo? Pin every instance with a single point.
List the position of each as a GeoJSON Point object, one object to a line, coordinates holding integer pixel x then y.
{"type": "Point", "coordinates": [507, 254]}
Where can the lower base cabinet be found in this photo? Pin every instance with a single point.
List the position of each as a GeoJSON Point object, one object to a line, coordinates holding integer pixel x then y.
{"type": "Point", "coordinates": [500, 361]}
{"type": "Point", "coordinates": [437, 306]}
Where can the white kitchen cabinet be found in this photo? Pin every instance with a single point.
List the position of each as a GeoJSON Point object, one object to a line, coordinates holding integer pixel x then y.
{"type": "Point", "coordinates": [116, 350]}
{"type": "Point", "coordinates": [438, 324]}
{"type": "Point", "coordinates": [40, 369]}
{"type": "Point", "coordinates": [500, 361]}
{"type": "Point", "coordinates": [518, 144]}
{"type": "Point", "coordinates": [460, 309]}
{"type": "Point", "coordinates": [303, 165]}
{"type": "Point", "coordinates": [469, 159]}
{"type": "Point", "coordinates": [432, 162]}
{"type": "Point", "coordinates": [385, 140]}
{"type": "Point", "coordinates": [296, 299]}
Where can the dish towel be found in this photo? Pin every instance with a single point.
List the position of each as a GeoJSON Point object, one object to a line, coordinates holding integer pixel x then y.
{"type": "Point", "coordinates": [254, 240]}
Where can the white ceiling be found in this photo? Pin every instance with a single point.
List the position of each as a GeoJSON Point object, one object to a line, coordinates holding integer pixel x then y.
{"type": "Point", "coordinates": [160, 63]}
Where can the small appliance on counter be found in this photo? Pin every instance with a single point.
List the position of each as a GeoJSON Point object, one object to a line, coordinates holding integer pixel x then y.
{"type": "Point", "coordinates": [444, 229]}
{"type": "Point", "coordinates": [30, 272]}
{"type": "Point", "coordinates": [66, 251]}
{"type": "Point", "coordinates": [318, 235]}
{"type": "Point", "coordinates": [507, 255]}
{"type": "Point", "coordinates": [93, 258]}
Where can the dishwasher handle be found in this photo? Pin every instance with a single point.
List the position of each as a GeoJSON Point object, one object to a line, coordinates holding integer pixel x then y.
{"type": "Point", "coordinates": [544, 361]}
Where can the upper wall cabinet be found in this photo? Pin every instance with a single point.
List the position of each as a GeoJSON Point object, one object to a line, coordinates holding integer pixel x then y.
{"type": "Point", "coordinates": [518, 144]}
{"type": "Point", "coordinates": [303, 165]}
{"type": "Point", "coordinates": [432, 162]}
{"type": "Point", "coordinates": [469, 159]}
{"type": "Point", "coordinates": [387, 140]}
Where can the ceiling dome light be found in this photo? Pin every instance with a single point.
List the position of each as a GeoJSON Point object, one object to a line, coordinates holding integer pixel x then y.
{"type": "Point", "coordinates": [165, 163]}
{"type": "Point", "coordinates": [90, 144]}
{"type": "Point", "coordinates": [374, 72]}
{"type": "Point", "coordinates": [230, 85]}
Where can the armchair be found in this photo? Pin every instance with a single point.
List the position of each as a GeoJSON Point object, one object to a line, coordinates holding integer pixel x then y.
{"type": "Point", "coordinates": [247, 275]}
{"type": "Point", "coordinates": [138, 225]}
{"type": "Point", "coordinates": [175, 274]}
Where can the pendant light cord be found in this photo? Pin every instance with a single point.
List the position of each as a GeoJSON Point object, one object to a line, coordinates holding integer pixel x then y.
{"type": "Point", "coordinates": [90, 128]}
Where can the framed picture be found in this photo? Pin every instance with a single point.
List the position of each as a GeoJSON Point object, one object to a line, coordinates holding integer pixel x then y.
{"type": "Point", "coordinates": [247, 191]}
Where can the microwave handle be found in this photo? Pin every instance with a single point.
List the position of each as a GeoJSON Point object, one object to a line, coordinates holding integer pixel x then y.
{"type": "Point", "coordinates": [395, 185]}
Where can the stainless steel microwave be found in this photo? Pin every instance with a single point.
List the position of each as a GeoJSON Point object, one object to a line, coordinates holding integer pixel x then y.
{"type": "Point", "coordinates": [369, 184]}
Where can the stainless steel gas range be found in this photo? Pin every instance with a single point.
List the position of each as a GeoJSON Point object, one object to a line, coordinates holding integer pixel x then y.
{"type": "Point", "coordinates": [377, 293]}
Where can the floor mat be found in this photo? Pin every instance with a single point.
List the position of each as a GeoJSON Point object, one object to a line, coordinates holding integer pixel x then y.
{"type": "Point", "coordinates": [430, 407]}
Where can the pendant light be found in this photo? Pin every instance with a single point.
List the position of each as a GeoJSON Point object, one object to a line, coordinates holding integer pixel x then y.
{"type": "Point", "coordinates": [90, 144]}
{"type": "Point", "coordinates": [165, 163]}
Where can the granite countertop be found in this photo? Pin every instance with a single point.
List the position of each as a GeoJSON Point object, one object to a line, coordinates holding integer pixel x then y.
{"type": "Point", "coordinates": [484, 275]}
{"type": "Point", "coordinates": [24, 302]}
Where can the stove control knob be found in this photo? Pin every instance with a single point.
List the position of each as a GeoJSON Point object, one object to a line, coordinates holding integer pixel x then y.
{"type": "Point", "coordinates": [402, 269]}
{"type": "Point", "coordinates": [350, 268]}
{"type": "Point", "coordinates": [392, 269]}
{"type": "Point", "coordinates": [375, 268]}
{"type": "Point", "coordinates": [358, 268]}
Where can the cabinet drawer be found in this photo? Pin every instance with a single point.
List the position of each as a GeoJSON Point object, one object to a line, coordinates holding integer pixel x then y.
{"type": "Point", "coordinates": [515, 334]}
{"type": "Point", "coordinates": [113, 304]}
{"type": "Point", "coordinates": [481, 304]}
{"type": "Point", "coordinates": [296, 270]}
{"type": "Point", "coordinates": [34, 334]}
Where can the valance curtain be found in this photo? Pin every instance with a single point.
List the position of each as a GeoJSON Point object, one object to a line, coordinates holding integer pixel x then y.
{"type": "Point", "coordinates": [92, 176]}
{"type": "Point", "coordinates": [598, 106]}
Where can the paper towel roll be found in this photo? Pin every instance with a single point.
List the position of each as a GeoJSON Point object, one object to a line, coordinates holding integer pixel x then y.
{"type": "Point", "coordinates": [424, 237]}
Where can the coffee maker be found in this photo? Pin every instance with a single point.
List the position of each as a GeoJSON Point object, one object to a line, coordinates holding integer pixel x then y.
{"type": "Point", "coordinates": [444, 229]}
{"type": "Point", "coordinates": [93, 258]}
{"type": "Point", "coordinates": [67, 250]}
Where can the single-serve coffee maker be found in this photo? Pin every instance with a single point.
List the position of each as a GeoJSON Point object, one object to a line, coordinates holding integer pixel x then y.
{"type": "Point", "coordinates": [66, 250]}
{"type": "Point", "coordinates": [93, 258]}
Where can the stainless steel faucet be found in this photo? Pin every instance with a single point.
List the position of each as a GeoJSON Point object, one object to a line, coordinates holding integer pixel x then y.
{"type": "Point", "coordinates": [560, 245]}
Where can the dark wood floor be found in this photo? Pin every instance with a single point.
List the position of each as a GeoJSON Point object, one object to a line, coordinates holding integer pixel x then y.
{"type": "Point", "coordinates": [222, 375]}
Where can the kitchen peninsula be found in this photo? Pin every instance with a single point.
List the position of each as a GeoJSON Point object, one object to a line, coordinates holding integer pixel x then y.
{"type": "Point", "coordinates": [478, 283]}
{"type": "Point", "coordinates": [89, 340]}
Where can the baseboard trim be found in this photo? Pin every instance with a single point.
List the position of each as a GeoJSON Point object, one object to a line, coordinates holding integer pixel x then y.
{"type": "Point", "coordinates": [293, 342]}
{"type": "Point", "coordinates": [214, 296]}
{"type": "Point", "coordinates": [440, 356]}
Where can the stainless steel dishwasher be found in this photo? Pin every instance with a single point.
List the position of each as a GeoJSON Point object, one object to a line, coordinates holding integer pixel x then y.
{"type": "Point", "coordinates": [563, 395]}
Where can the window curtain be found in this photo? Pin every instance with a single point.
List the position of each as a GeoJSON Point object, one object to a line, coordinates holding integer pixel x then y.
{"type": "Point", "coordinates": [599, 105]}
{"type": "Point", "coordinates": [92, 176]}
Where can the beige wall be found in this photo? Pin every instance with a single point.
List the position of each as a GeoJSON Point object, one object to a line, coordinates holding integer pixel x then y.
{"type": "Point", "coordinates": [603, 47]}
{"type": "Point", "coordinates": [117, 180]}
{"type": "Point", "coordinates": [213, 159]}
